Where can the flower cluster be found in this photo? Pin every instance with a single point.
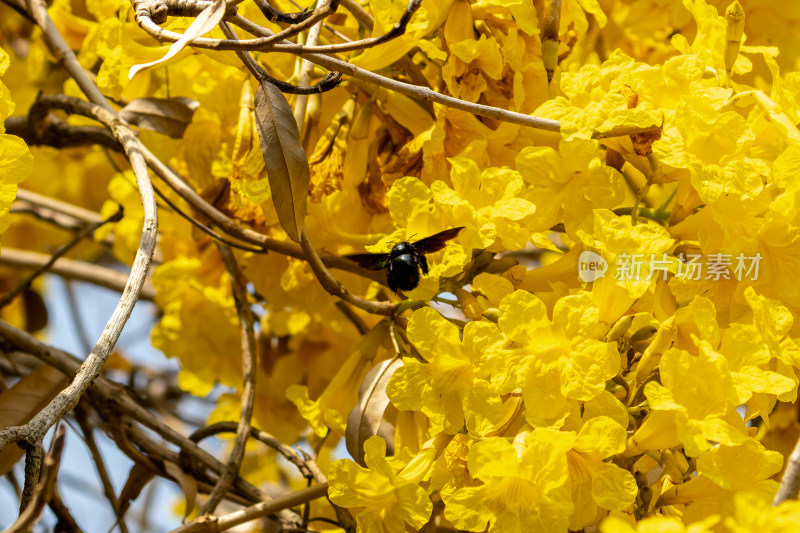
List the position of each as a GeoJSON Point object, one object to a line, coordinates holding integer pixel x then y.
{"type": "Point", "coordinates": [529, 398]}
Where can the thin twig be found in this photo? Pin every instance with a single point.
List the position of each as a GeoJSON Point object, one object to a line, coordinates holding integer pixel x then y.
{"type": "Point", "coordinates": [306, 68]}
{"type": "Point", "coordinates": [97, 458]}
{"type": "Point", "coordinates": [274, 15]}
{"type": "Point", "coordinates": [149, 25]}
{"type": "Point", "coordinates": [205, 229]}
{"type": "Point", "coordinates": [34, 460]}
{"type": "Point", "coordinates": [267, 508]}
{"type": "Point", "coordinates": [351, 315]}
{"type": "Point", "coordinates": [289, 453]}
{"type": "Point", "coordinates": [44, 488]}
{"type": "Point", "coordinates": [790, 482]}
{"type": "Point", "coordinates": [45, 215]}
{"type": "Point", "coordinates": [249, 365]}
{"type": "Point", "coordinates": [327, 83]}
{"type": "Point", "coordinates": [6, 298]}
{"type": "Point", "coordinates": [396, 31]}
{"type": "Point", "coordinates": [334, 287]}
{"type": "Point", "coordinates": [71, 269]}
{"type": "Point", "coordinates": [75, 314]}
{"type": "Point", "coordinates": [85, 216]}
{"type": "Point", "coordinates": [66, 523]}
{"type": "Point", "coordinates": [58, 134]}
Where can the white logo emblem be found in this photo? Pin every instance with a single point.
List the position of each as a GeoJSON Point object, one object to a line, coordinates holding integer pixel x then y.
{"type": "Point", "coordinates": [591, 266]}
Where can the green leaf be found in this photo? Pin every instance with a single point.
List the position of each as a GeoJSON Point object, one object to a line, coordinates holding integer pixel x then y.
{"type": "Point", "coordinates": [286, 162]}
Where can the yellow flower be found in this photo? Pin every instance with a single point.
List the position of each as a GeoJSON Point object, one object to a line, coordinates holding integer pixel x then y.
{"type": "Point", "coordinates": [386, 495]}
{"type": "Point", "coordinates": [189, 307]}
{"type": "Point", "coordinates": [16, 161]}
{"type": "Point", "coordinates": [489, 200]}
{"type": "Point", "coordinates": [595, 98]}
{"type": "Point", "coordinates": [555, 362]}
{"type": "Point", "coordinates": [694, 404]}
{"type": "Point", "coordinates": [754, 513]}
{"type": "Point", "coordinates": [597, 484]}
{"type": "Point", "coordinates": [747, 467]}
{"type": "Point", "coordinates": [523, 485]}
{"type": "Point", "coordinates": [469, 62]}
{"type": "Point", "coordinates": [631, 251]}
{"type": "Point", "coordinates": [330, 410]}
{"type": "Point", "coordinates": [656, 524]}
{"type": "Point", "coordinates": [568, 184]}
{"type": "Point", "coordinates": [452, 388]}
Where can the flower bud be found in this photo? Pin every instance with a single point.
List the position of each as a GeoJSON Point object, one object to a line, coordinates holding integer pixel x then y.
{"type": "Point", "coordinates": [734, 22]}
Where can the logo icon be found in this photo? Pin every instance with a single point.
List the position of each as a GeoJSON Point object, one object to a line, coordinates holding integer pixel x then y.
{"type": "Point", "coordinates": [591, 266]}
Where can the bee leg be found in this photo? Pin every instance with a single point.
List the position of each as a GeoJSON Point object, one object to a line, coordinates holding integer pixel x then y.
{"type": "Point", "coordinates": [423, 263]}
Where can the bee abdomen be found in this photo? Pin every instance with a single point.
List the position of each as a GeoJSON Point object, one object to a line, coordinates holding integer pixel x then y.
{"type": "Point", "coordinates": [403, 273]}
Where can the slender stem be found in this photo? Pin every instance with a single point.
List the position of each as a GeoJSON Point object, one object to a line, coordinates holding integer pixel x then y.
{"type": "Point", "coordinates": [43, 491]}
{"type": "Point", "coordinates": [9, 296]}
{"type": "Point", "coordinates": [71, 269]}
{"type": "Point", "coordinates": [790, 482]}
{"type": "Point", "coordinates": [267, 508]}
{"type": "Point", "coordinates": [249, 365]}
{"type": "Point", "coordinates": [306, 68]}
{"type": "Point", "coordinates": [85, 216]}
{"type": "Point", "coordinates": [97, 458]}
{"type": "Point", "coordinates": [334, 287]}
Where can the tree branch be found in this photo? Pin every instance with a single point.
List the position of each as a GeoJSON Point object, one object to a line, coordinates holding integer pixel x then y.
{"type": "Point", "coordinates": [33, 432]}
{"type": "Point", "coordinates": [257, 511]}
{"type": "Point", "coordinates": [44, 488]}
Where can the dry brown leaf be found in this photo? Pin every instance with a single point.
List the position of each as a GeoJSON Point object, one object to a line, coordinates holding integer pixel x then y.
{"type": "Point", "coordinates": [203, 23]}
{"type": "Point", "coordinates": [366, 417]}
{"type": "Point", "coordinates": [23, 401]}
{"type": "Point", "coordinates": [139, 476]}
{"type": "Point", "coordinates": [169, 116]}
{"type": "Point", "coordinates": [286, 162]}
{"type": "Point", "coordinates": [188, 485]}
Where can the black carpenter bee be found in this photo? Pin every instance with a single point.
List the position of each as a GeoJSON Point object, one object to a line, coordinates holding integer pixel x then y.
{"type": "Point", "coordinates": [402, 264]}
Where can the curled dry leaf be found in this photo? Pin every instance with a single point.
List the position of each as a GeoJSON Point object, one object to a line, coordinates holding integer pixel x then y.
{"type": "Point", "coordinates": [204, 23]}
{"type": "Point", "coordinates": [284, 158]}
{"type": "Point", "coordinates": [188, 485]}
{"type": "Point", "coordinates": [20, 403]}
{"type": "Point", "coordinates": [139, 476]}
{"type": "Point", "coordinates": [366, 417]}
{"type": "Point", "coordinates": [169, 116]}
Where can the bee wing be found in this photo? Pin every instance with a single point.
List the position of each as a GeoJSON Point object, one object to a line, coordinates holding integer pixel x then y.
{"type": "Point", "coordinates": [370, 261]}
{"type": "Point", "coordinates": [436, 242]}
